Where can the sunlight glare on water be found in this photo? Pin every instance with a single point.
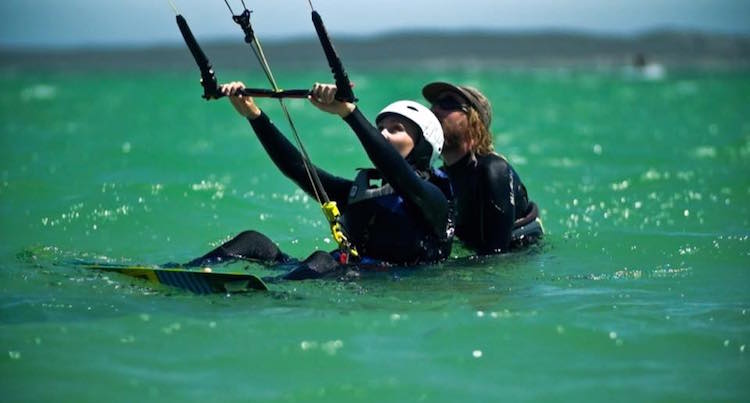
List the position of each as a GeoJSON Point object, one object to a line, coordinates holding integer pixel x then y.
{"type": "Point", "coordinates": [639, 291]}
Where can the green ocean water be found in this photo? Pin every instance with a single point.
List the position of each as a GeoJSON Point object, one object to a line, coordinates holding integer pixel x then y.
{"type": "Point", "coordinates": [640, 291]}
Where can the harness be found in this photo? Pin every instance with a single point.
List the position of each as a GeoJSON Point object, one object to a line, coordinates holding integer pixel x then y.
{"type": "Point", "coordinates": [362, 189]}
{"type": "Point", "coordinates": [380, 223]}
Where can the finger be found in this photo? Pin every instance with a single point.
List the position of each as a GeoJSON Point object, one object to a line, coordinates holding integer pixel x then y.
{"type": "Point", "coordinates": [234, 87]}
{"type": "Point", "coordinates": [330, 93]}
{"type": "Point", "coordinates": [317, 91]}
{"type": "Point", "coordinates": [238, 87]}
{"type": "Point", "coordinates": [227, 89]}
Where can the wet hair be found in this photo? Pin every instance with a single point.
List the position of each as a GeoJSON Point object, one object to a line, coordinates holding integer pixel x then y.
{"type": "Point", "coordinates": [479, 134]}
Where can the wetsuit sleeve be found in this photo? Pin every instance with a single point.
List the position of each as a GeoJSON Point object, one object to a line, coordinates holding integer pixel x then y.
{"type": "Point", "coordinates": [289, 160]}
{"type": "Point", "coordinates": [425, 196]}
{"type": "Point", "coordinates": [498, 207]}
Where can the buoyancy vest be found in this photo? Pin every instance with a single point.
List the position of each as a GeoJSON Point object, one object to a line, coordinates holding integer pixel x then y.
{"type": "Point", "coordinates": [383, 226]}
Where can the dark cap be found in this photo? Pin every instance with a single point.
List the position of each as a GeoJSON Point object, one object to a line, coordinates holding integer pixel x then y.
{"type": "Point", "coordinates": [476, 99]}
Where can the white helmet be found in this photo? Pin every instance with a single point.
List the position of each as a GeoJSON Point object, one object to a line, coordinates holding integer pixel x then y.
{"type": "Point", "coordinates": [423, 117]}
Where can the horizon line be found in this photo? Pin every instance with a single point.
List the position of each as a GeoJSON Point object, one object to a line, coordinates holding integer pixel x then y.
{"type": "Point", "coordinates": [116, 45]}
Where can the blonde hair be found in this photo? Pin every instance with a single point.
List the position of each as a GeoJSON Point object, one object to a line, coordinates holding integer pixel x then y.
{"type": "Point", "coordinates": [480, 136]}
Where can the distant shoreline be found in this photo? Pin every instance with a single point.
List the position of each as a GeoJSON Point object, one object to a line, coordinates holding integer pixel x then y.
{"type": "Point", "coordinates": [681, 48]}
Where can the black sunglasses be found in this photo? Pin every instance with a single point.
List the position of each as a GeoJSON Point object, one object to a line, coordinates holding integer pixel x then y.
{"type": "Point", "coordinates": [451, 104]}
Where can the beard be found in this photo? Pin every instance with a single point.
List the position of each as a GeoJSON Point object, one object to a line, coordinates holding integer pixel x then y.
{"type": "Point", "coordinates": [453, 135]}
{"type": "Point", "coordinates": [451, 140]}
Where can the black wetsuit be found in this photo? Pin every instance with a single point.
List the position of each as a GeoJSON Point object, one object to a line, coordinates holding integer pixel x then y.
{"type": "Point", "coordinates": [411, 225]}
{"type": "Point", "coordinates": [490, 198]}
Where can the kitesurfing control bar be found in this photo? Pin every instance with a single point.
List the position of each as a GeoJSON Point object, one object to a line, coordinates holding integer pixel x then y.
{"type": "Point", "coordinates": [208, 77]}
{"type": "Point", "coordinates": [344, 93]}
{"type": "Point", "coordinates": [266, 93]}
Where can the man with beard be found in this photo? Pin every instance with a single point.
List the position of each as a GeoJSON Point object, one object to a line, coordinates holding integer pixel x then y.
{"type": "Point", "coordinates": [494, 213]}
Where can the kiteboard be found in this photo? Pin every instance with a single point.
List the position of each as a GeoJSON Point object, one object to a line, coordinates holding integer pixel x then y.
{"type": "Point", "coordinates": [197, 280]}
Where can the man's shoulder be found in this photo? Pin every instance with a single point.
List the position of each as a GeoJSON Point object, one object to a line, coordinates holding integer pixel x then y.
{"type": "Point", "coordinates": [493, 163]}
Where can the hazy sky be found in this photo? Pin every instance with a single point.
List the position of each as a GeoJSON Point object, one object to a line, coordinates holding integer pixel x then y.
{"type": "Point", "coordinates": [123, 22]}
